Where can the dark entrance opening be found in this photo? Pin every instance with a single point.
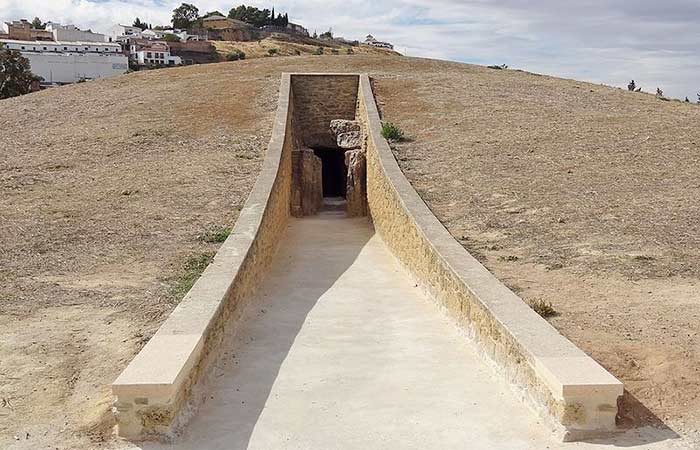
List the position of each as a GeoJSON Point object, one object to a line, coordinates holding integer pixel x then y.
{"type": "Point", "coordinates": [334, 171]}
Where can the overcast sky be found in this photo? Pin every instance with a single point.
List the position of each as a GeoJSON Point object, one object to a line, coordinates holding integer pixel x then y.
{"type": "Point", "coordinates": [607, 41]}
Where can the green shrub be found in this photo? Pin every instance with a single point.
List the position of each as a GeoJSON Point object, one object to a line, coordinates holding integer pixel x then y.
{"type": "Point", "coordinates": [391, 132]}
{"type": "Point", "coordinates": [273, 51]}
{"type": "Point", "coordinates": [350, 51]}
{"type": "Point", "coordinates": [235, 55]}
{"type": "Point", "coordinates": [543, 308]}
{"type": "Point", "coordinates": [318, 51]}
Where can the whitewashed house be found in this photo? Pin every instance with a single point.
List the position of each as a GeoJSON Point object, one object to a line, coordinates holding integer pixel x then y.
{"type": "Point", "coordinates": [122, 33]}
{"type": "Point", "coordinates": [370, 40]}
{"type": "Point", "coordinates": [152, 54]}
{"type": "Point", "coordinates": [69, 62]}
{"type": "Point", "coordinates": [68, 33]}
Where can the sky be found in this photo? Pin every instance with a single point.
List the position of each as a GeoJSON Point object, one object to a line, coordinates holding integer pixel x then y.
{"type": "Point", "coordinates": [656, 43]}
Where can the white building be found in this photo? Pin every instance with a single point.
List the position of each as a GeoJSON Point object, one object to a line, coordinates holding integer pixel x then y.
{"type": "Point", "coordinates": [182, 35]}
{"type": "Point", "coordinates": [153, 54]}
{"type": "Point", "coordinates": [122, 33]}
{"type": "Point", "coordinates": [68, 33]}
{"type": "Point", "coordinates": [375, 43]}
{"type": "Point", "coordinates": [68, 62]}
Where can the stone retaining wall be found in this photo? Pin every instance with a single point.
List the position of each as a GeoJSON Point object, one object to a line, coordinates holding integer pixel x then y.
{"type": "Point", "coordinates": [155, 389]}
{"type": "Point", "coordinates": [576, 395]}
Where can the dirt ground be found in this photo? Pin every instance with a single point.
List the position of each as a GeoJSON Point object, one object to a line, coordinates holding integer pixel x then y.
{"type": "Point", "coordinates": [578, 195]}
{"type": "Point", "coordinates": [581, 195]}
{"type": "Point", "coordinates": [288, 45]}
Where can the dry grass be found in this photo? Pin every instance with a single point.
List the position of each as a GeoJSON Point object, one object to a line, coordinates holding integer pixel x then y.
{"type": "Point", "coordinates": [294, 47]}
{"type": "Point", "coordinates": [582, 196]}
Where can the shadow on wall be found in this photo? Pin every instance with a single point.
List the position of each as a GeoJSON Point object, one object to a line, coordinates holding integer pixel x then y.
{"type": "Point", "coordinates": [245, 373]}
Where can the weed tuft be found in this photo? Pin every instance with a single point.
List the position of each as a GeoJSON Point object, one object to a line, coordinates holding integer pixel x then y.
{"type": "Point", "coordinates": [192, 269]}
{"type": "Point", "coordinates": [391, 132]}
{"type": "Point", "coordinates": [543, 308]}
{"type": "Point", "coordinates": [216, 236]}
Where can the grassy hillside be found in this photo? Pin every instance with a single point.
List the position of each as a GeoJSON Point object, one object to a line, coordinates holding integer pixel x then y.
{"type": "Point", "coordinates": [577, 194]}
{"type": "Point", "coordinates": [284, 45]}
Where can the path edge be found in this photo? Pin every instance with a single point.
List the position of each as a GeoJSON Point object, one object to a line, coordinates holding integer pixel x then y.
{"type": "Point", "coordinates": [575, 395]}
{"type": "Point", "coordinates": [153, 394]}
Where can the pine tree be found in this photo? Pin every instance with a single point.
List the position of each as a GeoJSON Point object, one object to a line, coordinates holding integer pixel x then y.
{"type": "Point", "coordinates": [37, 24]}
{"type": "Point", "coordinates": [272, 17]}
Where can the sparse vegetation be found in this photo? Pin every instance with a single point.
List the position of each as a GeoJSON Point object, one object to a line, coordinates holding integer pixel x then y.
{"type": "Point", "coordinates": [335, 51]}
{"type": "Point", "coordinates": [391, 132]}
{"type": "Point", "coordinates": [258, 17]}
{"type": "Point", "coordinates": [273, 51]}
{"type": "Point", "coordinates": [497, 67]}
{"type": "Point", "coordinates": [543, 308]}
{"type": "Point", "coordinates": [350, 51]}
{"type": "Point", "coordinates": [216, 236]}
{"type": "Point", "coordinates": [318, 51]}
{"type": "Point", "coordinates": [326, 34]}
{"type": "Point", "coordinates": [235, 55]}
{"type": "Point", "coordinates": [171, 38]}
{"type": "Point", "coordinates": [191, 271]}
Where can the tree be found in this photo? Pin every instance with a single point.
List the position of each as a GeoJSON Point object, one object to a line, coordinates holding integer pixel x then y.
{"type": "Point", "coordinates": [171, 38]}
{"type": "Point", "coordinates": [687, 100]}
{"type": "Point", "coordinates": [16, 77]}
{"type": "Point", "coordinates": [251, 15]}
{"type": "Point", "coordinates": [142, 25]}
{"type": "Point", "coordinates": [632, 86]}
{"type": "Point", "coordinates": [185, 15]}
{"type": "Point", "coordinates": [327, 35]}
{"type": "Point", "coordinates": [37, 24]}
{"type": "Point", "coordinates": [659, 92]}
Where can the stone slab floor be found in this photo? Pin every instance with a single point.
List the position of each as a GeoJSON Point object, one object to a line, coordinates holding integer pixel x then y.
{"type": "Point", "coordinates": [341, 350]}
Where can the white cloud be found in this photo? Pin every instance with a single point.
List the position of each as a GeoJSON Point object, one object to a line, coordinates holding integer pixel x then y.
{"type": "Point", "coordinates": [607, 41]}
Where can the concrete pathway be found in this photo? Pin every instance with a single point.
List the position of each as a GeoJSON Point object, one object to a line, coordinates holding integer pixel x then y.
{"type": "Point", "coordinates": [341, 350]}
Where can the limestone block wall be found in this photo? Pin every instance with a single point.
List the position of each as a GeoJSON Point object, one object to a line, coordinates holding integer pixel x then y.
{"type": "Point", "coordinates": [320, 98]}
{"type": "Point", "coordinates": [155, 392]}
{"type": "Point", "coordinates": [575, 394]}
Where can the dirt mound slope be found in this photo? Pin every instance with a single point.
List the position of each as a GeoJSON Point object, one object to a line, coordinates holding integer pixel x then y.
{"type": "Point", "coordinates": [580, 195]}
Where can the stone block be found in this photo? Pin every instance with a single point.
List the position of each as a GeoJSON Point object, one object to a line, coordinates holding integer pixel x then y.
{"type": "Point", "coordinates": [356, 194]}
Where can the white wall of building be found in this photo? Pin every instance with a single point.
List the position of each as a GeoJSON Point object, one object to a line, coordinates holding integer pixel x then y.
{"type": "Point", "coordinates": [72, 67]}
{"type": "Point", "coordinates": [68, 62]}
{"type": "Point", "coordinates": [72, 33]}
{"type": "Point", "coordinates": [121, 33]}
{"type": "Point", "coordinates": [149, 57]}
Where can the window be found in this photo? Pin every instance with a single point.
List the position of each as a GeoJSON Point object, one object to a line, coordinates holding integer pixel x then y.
{"type": "Point", "coordinates": [149, 55]}
{"type": "Point", "coordinates": [23, 47]}
{"type": "Point", "coordinates": [44, 48]}
{"type": "Point", "coordinates": [65, 48]}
